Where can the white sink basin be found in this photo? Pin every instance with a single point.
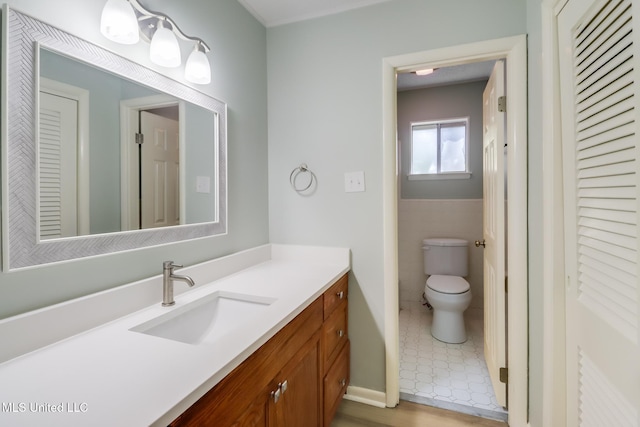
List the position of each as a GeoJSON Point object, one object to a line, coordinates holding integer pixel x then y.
{"type": "Point", "coordinates": [206, 319]}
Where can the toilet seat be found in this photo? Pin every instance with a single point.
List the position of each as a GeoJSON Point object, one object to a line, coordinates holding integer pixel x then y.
{"type": "Point", "coordinates": [448, 284]}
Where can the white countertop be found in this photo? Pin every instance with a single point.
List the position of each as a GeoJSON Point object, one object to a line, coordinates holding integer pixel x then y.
{"type": "Point", "coordinates": [112, 376]}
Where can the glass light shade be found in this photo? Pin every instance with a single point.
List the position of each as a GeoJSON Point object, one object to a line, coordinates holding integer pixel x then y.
{"type": "Point", "coordinates": [119, 23]}
{"type": "Point", "coordinates": [164, 49]}
{"type": "Point", "coordinates": [197, 70]}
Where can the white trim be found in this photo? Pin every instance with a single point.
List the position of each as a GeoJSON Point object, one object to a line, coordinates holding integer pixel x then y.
{"type": "Point", "coordinates": [438, 176]}
{"type": "Point", "coordinates": [514, 49]}
{"type": "Point", "coordinates": [84, 169]}
{"type": "Point", "coordinates": [366, 396]}
{"type": "Point", "coordinates": [553, 293]}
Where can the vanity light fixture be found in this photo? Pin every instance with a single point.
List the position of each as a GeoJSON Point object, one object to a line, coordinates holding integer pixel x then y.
{"type": "Point", "coordinates": [125, 21]}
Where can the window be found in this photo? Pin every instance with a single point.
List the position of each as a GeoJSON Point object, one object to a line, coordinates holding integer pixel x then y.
{"type": "Point", "coordinates": [439, 149]}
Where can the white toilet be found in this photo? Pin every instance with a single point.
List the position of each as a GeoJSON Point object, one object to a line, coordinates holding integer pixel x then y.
{"type": "Point", "coordinates": [446, 263]}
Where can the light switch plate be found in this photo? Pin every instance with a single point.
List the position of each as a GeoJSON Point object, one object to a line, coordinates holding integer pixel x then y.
{"type": "Point", "coordinates": [203, 184]}
{"type": "Point", "coordinates": [353, 182]}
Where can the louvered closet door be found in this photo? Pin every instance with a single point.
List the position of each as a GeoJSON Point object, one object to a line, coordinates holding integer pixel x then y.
{"type": "Point", "coordinates": [599, 83]}
{"type": "Point", "coordinates": [58, 166]}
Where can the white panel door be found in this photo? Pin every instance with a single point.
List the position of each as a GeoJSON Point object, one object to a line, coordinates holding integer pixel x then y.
{"type": "Point", "coordinates": [160, 171]}
{"type": "Point", "coordinates": [598, 49]}
{"type": "Point", "coordinates": [58, 167]}
{"type": "Point", "coordinates": [494, 231]}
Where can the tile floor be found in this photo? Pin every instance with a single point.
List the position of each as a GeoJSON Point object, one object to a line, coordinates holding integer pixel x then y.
{"type": "Point", "coordinates": [450, 376]}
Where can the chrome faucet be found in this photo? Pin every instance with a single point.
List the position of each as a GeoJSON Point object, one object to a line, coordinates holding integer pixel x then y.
{"type": "Point", "coordinates": [167, 282]}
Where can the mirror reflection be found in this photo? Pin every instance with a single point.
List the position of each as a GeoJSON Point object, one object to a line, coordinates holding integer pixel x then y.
{"type": "Point", "coordinates": [116, 155]}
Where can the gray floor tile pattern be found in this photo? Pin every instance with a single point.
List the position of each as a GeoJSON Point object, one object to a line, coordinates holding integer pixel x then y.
{"type": "Point", "coordinates": [451, 376]}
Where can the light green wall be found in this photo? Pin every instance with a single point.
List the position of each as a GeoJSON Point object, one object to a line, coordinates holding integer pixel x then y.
{"type": "Point", "coordinates": [325, 109]}
{"type": "Point", "coordinates": [442, 103]}
{"type": "Point", "coordinates": [238, 61]}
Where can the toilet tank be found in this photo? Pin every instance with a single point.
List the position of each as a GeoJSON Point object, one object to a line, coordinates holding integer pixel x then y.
{"type": "Point", "coordinates": [445, 256]}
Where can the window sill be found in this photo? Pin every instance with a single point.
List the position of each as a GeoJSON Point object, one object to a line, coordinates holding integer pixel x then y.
{"type": "Point", "coordinates": [439, 176]}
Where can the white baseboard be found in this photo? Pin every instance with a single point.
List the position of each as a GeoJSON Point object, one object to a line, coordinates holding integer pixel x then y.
{"type": "Point", "coordinates": [366, 396]}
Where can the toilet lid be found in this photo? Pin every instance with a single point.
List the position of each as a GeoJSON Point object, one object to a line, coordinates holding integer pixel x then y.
{"type": "Point", "coordinates": [448, 284]}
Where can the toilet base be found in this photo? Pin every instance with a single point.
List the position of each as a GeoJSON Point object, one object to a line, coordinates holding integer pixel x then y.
{"type": "Point", "coordinates": [448, 326]}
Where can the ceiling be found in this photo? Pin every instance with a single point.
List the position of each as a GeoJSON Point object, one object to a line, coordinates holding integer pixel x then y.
{"type": "Point", "coordinates": [279, 12]}
{"type": "Point", "coordinates": [272, 13]}
{"type": "Point", "coordinates": [466, 73]}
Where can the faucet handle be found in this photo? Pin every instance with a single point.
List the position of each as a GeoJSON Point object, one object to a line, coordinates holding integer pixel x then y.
{"type": "Point", "coordinates": [169, 265]}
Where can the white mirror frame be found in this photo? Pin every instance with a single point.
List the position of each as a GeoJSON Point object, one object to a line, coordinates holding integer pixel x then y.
{"type": "Point", "coordinates": [21, 37]}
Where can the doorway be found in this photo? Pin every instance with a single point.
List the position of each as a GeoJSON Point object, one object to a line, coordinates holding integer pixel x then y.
{"type": "Point", "coordinates": [441, 130]}
{"type": "Point", "coordinates": [513, 50]}
{"type": "Point", "coordinates": [152, 142]}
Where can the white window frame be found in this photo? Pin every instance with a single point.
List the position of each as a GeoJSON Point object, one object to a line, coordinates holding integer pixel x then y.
{"type": "Point", "coordinates": [466, 174]}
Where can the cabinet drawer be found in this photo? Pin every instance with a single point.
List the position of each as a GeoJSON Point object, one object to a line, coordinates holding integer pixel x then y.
{"type": "Point", "coordinates": [335, 295]}
{"type": "Point", "coordinates": [335, 384]}
{"type": "Point", "coordinates": [334, 334]}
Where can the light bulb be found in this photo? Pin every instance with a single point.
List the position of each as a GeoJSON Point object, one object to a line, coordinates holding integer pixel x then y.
{"type": "Point", "coordinates": [164, 49]}
{"type": "Point", "coordinates": [119, 23]}
{"type": "Point", "coordinates": [197, 70]}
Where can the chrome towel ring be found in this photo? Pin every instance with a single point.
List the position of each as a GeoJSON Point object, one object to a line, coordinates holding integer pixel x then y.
{"type": "Point", "coordinates": [302, 169]}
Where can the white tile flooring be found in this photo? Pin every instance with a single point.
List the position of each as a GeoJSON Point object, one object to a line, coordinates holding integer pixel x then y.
{"type": "Point", "coordinates": [451, 376]}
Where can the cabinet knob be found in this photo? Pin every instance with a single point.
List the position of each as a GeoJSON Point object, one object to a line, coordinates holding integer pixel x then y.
{"type": "Point", "coordinates": [340, 333]}
{"type": "Point", "coordinates": [340, 294]}
{"type": "Point", "coordinates": [343, 382]}
{"type": "Point", "coordinates": [284, 386]}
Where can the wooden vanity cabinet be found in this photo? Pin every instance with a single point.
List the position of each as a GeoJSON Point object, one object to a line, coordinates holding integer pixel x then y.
{"type": "Point", "coordinates": [286, 382]}
{"type": "Point", "coordinates": [335, 348]}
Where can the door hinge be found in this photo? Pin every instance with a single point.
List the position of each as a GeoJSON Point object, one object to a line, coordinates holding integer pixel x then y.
{"type": "Point", "coordinates": [502, 104]}
{"type": "Point", "coordinates": [139, 138]}
{"type": "Point", "coordinates": [504, 375]}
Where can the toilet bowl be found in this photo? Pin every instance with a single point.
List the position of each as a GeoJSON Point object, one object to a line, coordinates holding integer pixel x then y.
{"type": "Point", "coordinates": [446, 290]}
{"type": "Point", "coordinates": [449, 296]}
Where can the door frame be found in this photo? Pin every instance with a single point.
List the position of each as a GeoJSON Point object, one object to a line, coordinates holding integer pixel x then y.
{"type": "Point", "coordinates": [128, 162]}
{"type": "Point", "coordinates": [553, 383]}
{"type": "Point", "coordinates": [514, 50]}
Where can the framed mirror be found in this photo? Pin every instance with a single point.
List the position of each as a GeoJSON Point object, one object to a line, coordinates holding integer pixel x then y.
{"type": "Point", "coordinates": [103, 193]}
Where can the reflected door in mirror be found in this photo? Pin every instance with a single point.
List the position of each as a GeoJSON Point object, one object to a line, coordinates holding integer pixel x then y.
{"type": "Point", "coordinates": [159, 166]}
{"type": "Point", "coordinates": [58, 166]}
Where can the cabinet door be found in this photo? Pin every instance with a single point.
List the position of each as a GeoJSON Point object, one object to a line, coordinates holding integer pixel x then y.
{"type": "Point", "coordinates": [295, 398]}
{"type": "Point", "coordinates": [255, 416]}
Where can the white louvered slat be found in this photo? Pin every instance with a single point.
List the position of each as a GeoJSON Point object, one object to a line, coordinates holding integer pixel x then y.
{"type": "Point", "coordinates": [613, 261]}
{"type": "Point", "coordinates": [610, 107]}
{"type": "Point", "coordinates": [624, 131]}
{"type": "Point", "coordinates": [599, 96]}
{"type": "Point", "coordinates": [614, 39]}
{"type": "Point", "coordinates": [606, 225]}
{"type": "Point", "coordinates": [618, 144]}
{"type": "Point", "coordinates": [602, 404]}
{"type": "Point", "coordinates": [617, 216]}
{"type": "Point", "coordinates": [50, 174]}
{"type": "Point", "coordinates": [619, 119]}
{"type": "Point", "coordinates": [621, 168]}
{"type": "Point", "coordinates": [606, 169]}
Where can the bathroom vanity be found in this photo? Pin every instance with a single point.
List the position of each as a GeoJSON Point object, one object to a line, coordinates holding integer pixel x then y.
{"type": "Point", "coordinates": [296, 378]}
{"type": "Point", "coordinates": [277, 352]}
